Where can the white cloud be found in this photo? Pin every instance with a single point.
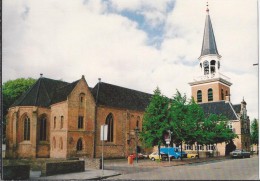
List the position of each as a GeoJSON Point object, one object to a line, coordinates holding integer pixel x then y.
{"type": "Point", "coordinates": [64, 39]}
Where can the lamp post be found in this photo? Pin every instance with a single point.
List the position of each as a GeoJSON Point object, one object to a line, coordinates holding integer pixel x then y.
{"type": "Point", "coordinates": [136, 143]}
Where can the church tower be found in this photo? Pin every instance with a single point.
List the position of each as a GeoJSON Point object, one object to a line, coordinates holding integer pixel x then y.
{"type": "Point", "coordinates": [211, 85]}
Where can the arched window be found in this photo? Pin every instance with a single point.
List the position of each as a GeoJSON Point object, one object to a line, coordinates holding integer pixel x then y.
{"type": "Point", "coordinates": [212, 66]}
{"type": "Point", "coordinates": [226, 93]}
{"type": "Point", "coordinates": [210, 94]}
{"type": "Point", "coordinates": [81, 99]}
{"type": "Point", "coordinates": [206, 67]}
{"type": "Point", "coordinates": [26, 128]}
{"type": "Point", "coordinates": [80, 122]}
{"type": "Point", "coordinates": [137, 121]}
{"type": "Point", "coordinates": [222, 94]}
{"type": "Point", "coordinates": [54, 122]}
{"type": "Point", "coordinates": [199, 96]}
{"type": "Point", "coordinates": [61, 122]}
{"type": "Point", "coordinates": [43, 129]}
{"type": "Point", "coordinates": [79, 145]}
{"type": "Point", "coordinates": [109, 122]}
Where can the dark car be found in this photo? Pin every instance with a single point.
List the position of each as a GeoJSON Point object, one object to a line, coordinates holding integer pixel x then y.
{"type": "Point", "coordinates": [240, 154]}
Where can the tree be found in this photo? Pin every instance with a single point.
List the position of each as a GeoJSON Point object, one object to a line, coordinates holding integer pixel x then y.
{"type": "Point", "coordinates": [12, 90]}
{"type": "Point", "coordinates": [155, 121]}
{"type": "Point", "coordinates": [254, 134]}
{"type": "Point", "coordinates": [216, 130]}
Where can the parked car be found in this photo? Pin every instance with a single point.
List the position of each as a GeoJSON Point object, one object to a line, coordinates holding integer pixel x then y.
{"type": "Point", "coordinates": [174, 152]}
{"type": "Point", "coordinates": [140, 155]}
{"type": "Point", "coordinates": [240, 154]}
{"type": "Point", "coordinates": [192, 155]}
{"type": "Point", "coordinates": [155, 156]}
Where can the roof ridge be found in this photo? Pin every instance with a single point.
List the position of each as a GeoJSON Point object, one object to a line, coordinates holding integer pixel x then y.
{"type": "Point", "coordinates": [124, 88]}
{"type": "Point", "coordinates": [67, 84]}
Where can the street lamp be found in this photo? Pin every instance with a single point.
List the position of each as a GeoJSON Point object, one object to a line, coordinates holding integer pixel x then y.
{"type": "Point", "coordinates": [136, 143]}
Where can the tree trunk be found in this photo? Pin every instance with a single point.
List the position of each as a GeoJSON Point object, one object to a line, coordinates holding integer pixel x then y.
{"type": "Point", "coordinates": [198, 150]}
{"type": "Point", "coordinates": [159, 152]}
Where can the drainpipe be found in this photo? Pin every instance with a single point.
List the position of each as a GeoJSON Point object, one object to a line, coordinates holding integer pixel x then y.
{"type": "Point", "coordinates": [95, 120]}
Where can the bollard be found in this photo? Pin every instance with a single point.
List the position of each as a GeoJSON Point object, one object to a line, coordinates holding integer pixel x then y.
{"type": "Point", "coordinates": [130, 159]}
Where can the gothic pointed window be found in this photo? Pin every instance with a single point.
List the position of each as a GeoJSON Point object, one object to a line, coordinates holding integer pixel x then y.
{"type": "Point", "coordinates": [79, 145]}
{"type": "Point", "coordinates": [61, 122]}
{"type": "Point", "coordinates": [26, 128]}
{"type": "Point", "coordinates": [199, 96]}
{"type": "Point", "coordinates": [80, 122]}
{"type": "Point", "coordinates": [43, 129]}
{"type": "Point", "coordinates": [110, 123]}
{"type": "Point", "coordinates": [54, 122]}
{"type": "Point", "coordinates": [210, 94]}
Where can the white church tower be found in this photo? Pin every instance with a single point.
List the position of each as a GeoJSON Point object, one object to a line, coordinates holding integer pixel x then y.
{"type": "Point", "coordinates": [211, 85]}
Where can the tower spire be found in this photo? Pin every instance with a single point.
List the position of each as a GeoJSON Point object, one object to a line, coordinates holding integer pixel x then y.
{"type": "Point", "coordinates": [209, 46]}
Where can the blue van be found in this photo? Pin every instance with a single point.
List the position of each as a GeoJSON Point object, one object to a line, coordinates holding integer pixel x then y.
{"type": "Point", "coordinates": [174, 152]}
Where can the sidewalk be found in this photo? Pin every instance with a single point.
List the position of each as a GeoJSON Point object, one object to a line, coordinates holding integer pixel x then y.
{"type": "Point", "coordinates": [87, 175]}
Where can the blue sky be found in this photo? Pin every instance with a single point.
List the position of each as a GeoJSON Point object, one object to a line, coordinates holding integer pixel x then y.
{"type": "Point", "coordinates": [138, 44]}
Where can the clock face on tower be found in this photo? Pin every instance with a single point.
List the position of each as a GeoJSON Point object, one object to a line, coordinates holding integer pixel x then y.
{"type": "Point", "coordinates": [206, 63]}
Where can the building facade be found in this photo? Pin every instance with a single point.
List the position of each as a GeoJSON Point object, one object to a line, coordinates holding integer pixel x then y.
{"type": "Point", "coordinates": [57, 119]}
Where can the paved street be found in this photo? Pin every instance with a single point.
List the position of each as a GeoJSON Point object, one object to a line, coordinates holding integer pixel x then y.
{"type": "Point", "coordinates": [228, 169]}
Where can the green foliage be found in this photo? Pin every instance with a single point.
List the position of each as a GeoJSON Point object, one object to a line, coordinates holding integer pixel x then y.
{"type": "Point", "coordinates": [254, 134]}
{"type": "Point", "coordinates": [13, 89]}
{"type": "Point", "coordinates": [185, 119]}
{"type": "Point", "coordinates": [155, 120]}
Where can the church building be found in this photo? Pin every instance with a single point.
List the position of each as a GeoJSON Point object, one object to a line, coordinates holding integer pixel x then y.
{"type": "Point", "coordinates": [211, 90]}
{"type": "Point", "coordinates": [57, 119]}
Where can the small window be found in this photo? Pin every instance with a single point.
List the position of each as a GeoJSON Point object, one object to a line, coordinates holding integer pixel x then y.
{"type": "Point", "coordinates": [61, 122]}
{"type": "Point", "coordinates": [222, 94]}
{"type": "Point", "coordinates": [27, 128]}
{"type": "Point", "coordinates": [199, 96]}
{"type": "Point", "coordinates": [81, 100]}
{"type": "Point", "coordinates": [80, 122]}
{"type": "Point", "coordinates": [188, 147]}
{"type": "Point", "coordinates": [43, 129]}
{"type": "Point", "coordinates": [61, 143]}
{"type": "Point", "coordinates": [210, 147]}
{"type": "Point", "coordinates": [79, 145]}
{"type": "Point", "coordinates": [212, 66]}
{"type": "Point", "coordinates": [200, 147]}
{"type": "Point", "coordinates": [210, 95]}
{"type": "Point", "coordinates": [54, 122]}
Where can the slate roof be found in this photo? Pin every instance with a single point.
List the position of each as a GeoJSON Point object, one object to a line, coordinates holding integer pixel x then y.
{"type": "Point", "coordinates": [209, 45]}
{"type": "Point", "coordinates": [237, 108]}
{"type": "Point", "coordinates": [219, 108]}
{"type": "Point", "coordinates": [46, 92]}
{"type": "Point", "coordinates": [41, 93]}
{"type": "Point", "coordinates": [120, 97]}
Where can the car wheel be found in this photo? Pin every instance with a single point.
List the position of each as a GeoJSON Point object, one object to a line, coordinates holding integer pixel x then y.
{"type": "Point", "coordinates": [152, 159]}
{"type": "Point", "coordinates": [192, 156]}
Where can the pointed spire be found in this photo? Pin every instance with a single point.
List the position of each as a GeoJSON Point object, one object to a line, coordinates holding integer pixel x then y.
{"type": "Point", "coordinates": [209, 45]}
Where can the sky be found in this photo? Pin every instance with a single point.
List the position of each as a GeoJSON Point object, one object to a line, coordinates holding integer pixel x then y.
{"type": "Point", "coordinates": [137, 44]}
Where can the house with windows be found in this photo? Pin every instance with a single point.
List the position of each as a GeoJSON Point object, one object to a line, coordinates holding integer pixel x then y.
{"type": "Point", "coordinates": [211, 90]}
{"type": "Point", "coordinates": [57, 119]}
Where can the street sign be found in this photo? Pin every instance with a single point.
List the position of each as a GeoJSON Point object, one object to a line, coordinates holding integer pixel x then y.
{"type": "Point", "coordinates": [167, 141]}
{"type": "Point", "coordinates": [103, 132]}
